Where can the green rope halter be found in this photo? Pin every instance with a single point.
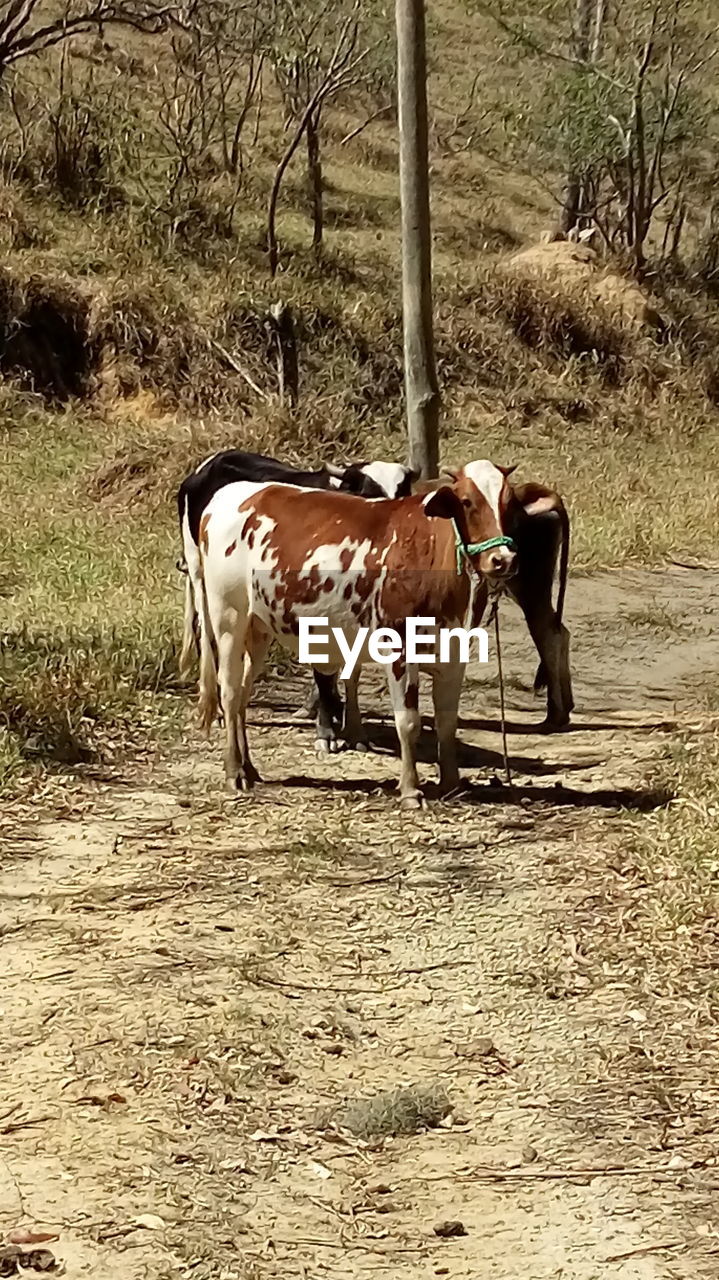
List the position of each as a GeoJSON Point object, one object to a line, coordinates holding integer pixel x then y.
{"type": "Point", "coordinates": [468, 549]}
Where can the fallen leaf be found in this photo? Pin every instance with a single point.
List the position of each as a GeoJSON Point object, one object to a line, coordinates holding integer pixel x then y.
{"type": "Point", "coordinates": [21, 1236]}
{"type": "Point", "coordinates": [97, 1100]}
{"type": "Point", "coordinates": [151, 1222]}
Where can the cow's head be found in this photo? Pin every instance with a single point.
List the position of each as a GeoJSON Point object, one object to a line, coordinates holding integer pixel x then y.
{"type": "Point", "coordinates": [378, 480]}
{"type": "Point", "coordinates": [479, 500]}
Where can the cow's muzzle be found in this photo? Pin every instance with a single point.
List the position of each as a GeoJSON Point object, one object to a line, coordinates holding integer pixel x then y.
{"type": "Point", "coordinates": [498, 564]}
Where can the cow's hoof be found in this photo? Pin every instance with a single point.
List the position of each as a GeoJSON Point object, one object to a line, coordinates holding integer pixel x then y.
{"type": "Point", "coordinates": [553, 725]}
{"type": "Point", "coordinates": [238, 784]}
{"type": "Point", "coordinates": [360, 745]}
{"type": "Point", "coordinates": [244, 782]}
{"type": "Point", "coordinates": [327, 746]}
{"type": "Point", "coordinates": [413, 801]}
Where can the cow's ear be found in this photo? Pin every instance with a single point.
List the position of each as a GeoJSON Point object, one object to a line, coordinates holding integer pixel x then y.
{"type": "Point", "coordinates": [542, 506]}
{"type": "Point", "coordinates": [507, 471]}
{"type": "Point", "coordinates": [350, 480]}
{"type": "Point", "coordinates": [443, 504]}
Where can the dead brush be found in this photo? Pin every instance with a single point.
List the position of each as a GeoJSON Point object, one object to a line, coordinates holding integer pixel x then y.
{"type": "Point", "coordinates": [558, 324]}
{"type": "Point", "coordinates": [404, 1110]}
{"type": "Point", "coordinates": [47, 324]}
{"type": "Point", "coordinates": [58, 692]}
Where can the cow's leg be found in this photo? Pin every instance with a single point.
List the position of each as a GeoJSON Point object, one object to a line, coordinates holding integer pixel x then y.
{"type": "Point", "coordinates": [539, 546]}
{"type": "Point", "coordinates": [353, 729]}
{"type": "Point", "coordinates": [208, 686]}
{"type": "Point", "coordinates": [334, 702]}
{"type": "Point", "coordinates": [257, 645]}
{"type": "Point", "coordinates": [231, 665]}
{"type": "Point", "coordinates": [404, 691]}
{"type": "Point", "coordinates": [190, 634]}
{"type": "Point", "coordinates": [325, 731]}
{"type": "Point", "coordinates": [231, 631]}
{"type": "Point", "coordinates": [447, 680]}
{"type": "Point", "coordinates": [552, 644]}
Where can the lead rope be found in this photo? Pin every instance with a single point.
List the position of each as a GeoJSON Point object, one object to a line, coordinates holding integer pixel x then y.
{"type": "Point", "coordinates": [495, 615]}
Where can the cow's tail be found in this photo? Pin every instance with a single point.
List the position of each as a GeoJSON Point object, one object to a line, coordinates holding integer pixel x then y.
{"type": "Point", "coordinates": [563, 560]}
{"type": "Point", "coordinates": [540, 680]}
{"type": "Point", "coordinates": [190, 633]}
{"type": "Point", "coordinates": [209, 701]}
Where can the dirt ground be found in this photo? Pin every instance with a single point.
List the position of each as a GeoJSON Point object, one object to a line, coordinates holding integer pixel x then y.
{"type": "Point", "coordinates": [194, 987]}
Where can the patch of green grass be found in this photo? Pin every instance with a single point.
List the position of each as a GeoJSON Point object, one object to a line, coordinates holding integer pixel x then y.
{"type": "Point", "coordinates": [92, 605]}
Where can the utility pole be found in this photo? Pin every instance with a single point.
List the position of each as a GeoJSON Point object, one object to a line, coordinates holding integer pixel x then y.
{"type": "Point", "coordinates": [420, 373]}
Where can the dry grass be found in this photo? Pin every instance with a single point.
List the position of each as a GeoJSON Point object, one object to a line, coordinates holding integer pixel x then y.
{"type": "Point", "coordinates": [674, 862]}
{"type": "Point", "coordinates": [404, 1110]}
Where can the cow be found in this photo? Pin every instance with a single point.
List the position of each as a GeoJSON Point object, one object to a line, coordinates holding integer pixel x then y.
{"type": "Point", "coordinates": [272, 555]}
{"type": "Point", "coordinates": [540, 528]}
{"type": "Point", "coordinates": [367, 479]}
{"type": "Point", "coordinates": [539, 525]}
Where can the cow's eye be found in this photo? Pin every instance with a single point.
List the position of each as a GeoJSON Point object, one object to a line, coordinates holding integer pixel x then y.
{"type": "Point", "coordinates": [466, 502]}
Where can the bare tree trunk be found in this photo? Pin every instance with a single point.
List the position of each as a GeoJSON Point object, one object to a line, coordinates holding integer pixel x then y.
{"type": "Point", "coordinates": [420, 372]}
{"type": "Point", "coordinates": [588, 18]}
{"type": "Point", "coordinates": [273, 249]}
{"type": "Point", "coordinates": [314, 179]}
{"type": "Point", "coordinates": [598, 23]}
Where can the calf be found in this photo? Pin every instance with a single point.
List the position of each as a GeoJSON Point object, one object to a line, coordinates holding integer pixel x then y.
{"type": "Point", "coordinates": [367, 479]}
{"type": "Point", "coordinates": [539, 525]}
{"type": "Point", "coordinates": [274, 554]}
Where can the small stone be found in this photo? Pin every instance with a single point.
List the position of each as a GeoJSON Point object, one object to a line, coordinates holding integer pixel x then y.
{"type": "Point", "coordinates": [285, 1076]}
{"type": "Point", "coordinates": [447, 1230]}
{"type": "Point", "coordinates": [529, 1155]}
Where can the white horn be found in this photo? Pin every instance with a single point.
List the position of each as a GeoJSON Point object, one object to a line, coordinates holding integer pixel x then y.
{"type": "Point", "coordinates": [336, 472]}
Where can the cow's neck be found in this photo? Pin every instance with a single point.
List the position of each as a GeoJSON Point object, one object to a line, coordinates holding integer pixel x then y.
{"type": "Point", "coordinates": [453, 588]}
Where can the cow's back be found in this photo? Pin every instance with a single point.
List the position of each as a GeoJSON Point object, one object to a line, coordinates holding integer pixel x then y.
{"type": "Point", "coordinates": [357, 562]}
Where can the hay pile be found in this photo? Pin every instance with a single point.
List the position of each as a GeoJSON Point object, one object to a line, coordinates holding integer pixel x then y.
{"type": "Point", "coordinates": [577, 271]}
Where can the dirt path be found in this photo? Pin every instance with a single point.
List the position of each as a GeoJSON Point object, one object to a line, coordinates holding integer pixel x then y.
{"type": "Point", "coordinates": [191, 986]}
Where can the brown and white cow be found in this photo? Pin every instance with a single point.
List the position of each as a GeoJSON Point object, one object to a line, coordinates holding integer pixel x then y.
{"type": "Point", "coordinates": [539, 524]}
{"type": "Point", "coordinates": [274, 554]}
